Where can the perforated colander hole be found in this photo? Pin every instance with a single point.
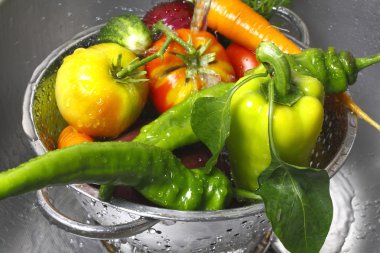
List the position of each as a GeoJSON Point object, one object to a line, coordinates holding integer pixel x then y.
{"type": "Point", "coordinates": [154, 231]}
{"type": "Point", "coordinates": [248, 225]}
{"type": "Point", "coordinates": [197, 250]}
{"type": "Point", "coordinates": [263, 220]}
{"type": "Point", "coordinates": [229, 230]}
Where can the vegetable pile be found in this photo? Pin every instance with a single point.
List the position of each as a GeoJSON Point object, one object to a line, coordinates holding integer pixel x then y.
{"type": "Point", "coordinates": [261, 98]}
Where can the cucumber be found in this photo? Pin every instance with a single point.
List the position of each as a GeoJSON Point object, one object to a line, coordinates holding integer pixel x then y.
{"type": "Point", "coordinates": [128, 31]}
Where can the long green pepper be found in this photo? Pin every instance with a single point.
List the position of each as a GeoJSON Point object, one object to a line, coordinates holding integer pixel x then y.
{"type": "Point", "coordinates": [172, 129]}
{"type": "Point", "coordinates": [155, 172]}
{"type": "Point", "coordinates": [335, 70]}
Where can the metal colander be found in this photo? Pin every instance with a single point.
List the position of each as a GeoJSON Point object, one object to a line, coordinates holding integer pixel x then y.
{"type": "Point", "coordinates": [150, 229]}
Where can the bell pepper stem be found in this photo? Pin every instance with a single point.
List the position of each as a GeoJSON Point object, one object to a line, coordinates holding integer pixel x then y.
{"type": "Point", "coordinates": [268, 53]}
{"type": "Point", "coordinates": [364, 62]}
{"type": "Point", "coordinates": [273, 151]}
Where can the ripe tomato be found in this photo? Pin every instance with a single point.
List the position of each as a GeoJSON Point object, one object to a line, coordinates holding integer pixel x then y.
{"type": "Point", "coordinates": [91, 98]}
{"type": "Point", "coordinates": [241, 58]}
{"type": "Point", "coordinates": [178, 74]}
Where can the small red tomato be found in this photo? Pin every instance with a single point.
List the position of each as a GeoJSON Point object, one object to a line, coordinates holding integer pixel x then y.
{"type": "Point", "coordinates": [70, 136]}
{"type": "Point", "coordinates": [241, 58]}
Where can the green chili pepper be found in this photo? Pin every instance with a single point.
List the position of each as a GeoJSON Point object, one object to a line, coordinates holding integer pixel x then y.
{"type": "Point", "coordinates": [335, 70]}
{"type": "Point", "coordinates": [297, 120]}
{"type": "Point", "coordinates": [172, 129]}
{"type": "Point", "coordinates": [155, 172]}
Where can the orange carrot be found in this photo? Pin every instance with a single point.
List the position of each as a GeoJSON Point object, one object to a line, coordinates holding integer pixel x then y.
{"type": "Point", "coordinates": [353, 107]}
{"type": "Point", "coordinates": [240, 23]}
{"type": "Point", "coordinates": [70, 136]}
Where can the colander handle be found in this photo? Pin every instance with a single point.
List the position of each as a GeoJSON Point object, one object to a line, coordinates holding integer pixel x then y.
{"type": "Point", "coordinates": [87, 230]}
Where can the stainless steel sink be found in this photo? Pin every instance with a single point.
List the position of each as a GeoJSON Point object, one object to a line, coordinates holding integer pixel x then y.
{"type": "Point", "coordinates": [31, 29]}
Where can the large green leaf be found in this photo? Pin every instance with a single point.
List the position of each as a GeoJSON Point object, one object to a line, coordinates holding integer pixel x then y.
{"type": "Point", "coordinates": [298, 204]}
{"type": "Point", "coordinates": [211, 120]}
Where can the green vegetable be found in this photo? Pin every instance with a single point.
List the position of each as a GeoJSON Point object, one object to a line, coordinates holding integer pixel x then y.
{"type": "Point", "coordinates": [335, 70]}
{"type": "Point", "coordinates": [129, 31]}
{"type": "Point", "coordinates": [265, 7]}
{"type": "Point", "coordinates": [297, 124]}
{"type": "Point", "coordinates": [155, 172]}
{"type": "Point", "coordinates": [172, 129]}
{"type": "Point", "coordinates": [296, 199]}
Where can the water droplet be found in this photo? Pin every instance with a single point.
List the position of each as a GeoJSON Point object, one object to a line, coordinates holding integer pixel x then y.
{"type": "Point", "coordinates": [151, 231]}
{"type": "Point", "coordinates": [168, 222]}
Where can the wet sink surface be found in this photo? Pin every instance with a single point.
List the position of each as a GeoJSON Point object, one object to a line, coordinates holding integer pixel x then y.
{"type": "Point", "coordinates": [30, 30]}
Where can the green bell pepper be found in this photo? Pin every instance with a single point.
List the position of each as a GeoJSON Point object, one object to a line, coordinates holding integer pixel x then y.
{"type": "Point", "coordinates": [297, 121]}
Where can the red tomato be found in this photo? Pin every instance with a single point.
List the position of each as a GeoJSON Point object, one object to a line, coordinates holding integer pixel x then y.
{"type": "Point", "coordinates": [172, 79]}
{"type": "Point", "coordinates": [241, 58]}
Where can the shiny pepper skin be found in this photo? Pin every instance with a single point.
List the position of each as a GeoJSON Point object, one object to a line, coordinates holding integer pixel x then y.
{"type": "Point", "coordinates": [296, 128]}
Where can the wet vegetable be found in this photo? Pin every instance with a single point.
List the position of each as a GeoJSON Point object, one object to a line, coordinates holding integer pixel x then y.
{"type": "Point", "coordinates": [128, 31]}
{"type": "Point", "coordinates": [192, 62]}
{"type": "Point", "coordinates": [295, 197]}
{"type": "Point", "coordinates": [69, 136]}
{"type": "Point", "coordinates": [241, 24]}
{"type": "Point", "coordinates": [298, 118]}
{"type": "Point", "coordinates": [175, 14]}
{"type": "Point", "coordinates": [156, 173]}
{"type": "Point", "coordinates": [241, 59]}
{"type": "Point", "coordinates": [172, 129]}
{"type": "Point", "coordinates": [92, 98]}
{"type": "Point", "coordinates": [335, 70]}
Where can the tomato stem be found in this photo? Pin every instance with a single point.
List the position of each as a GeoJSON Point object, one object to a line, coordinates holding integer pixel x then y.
{"type": "Point", "coordinates": [136, 64]}
{"type": "Point", "coordinates": [160, 26]}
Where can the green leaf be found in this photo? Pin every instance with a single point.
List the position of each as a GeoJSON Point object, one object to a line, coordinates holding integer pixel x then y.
{"type": "Point", "coordinates": [298, 204]}
{"type": "Point", "coordinates": [210, 121]}
{"type": "Point", "coordinates": [265, 7]}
